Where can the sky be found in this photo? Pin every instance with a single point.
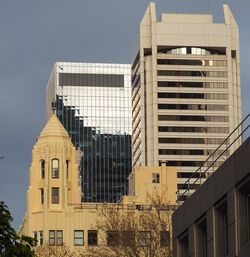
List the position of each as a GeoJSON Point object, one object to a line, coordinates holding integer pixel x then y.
{"type": "Point", "coordinates": [36, 34]}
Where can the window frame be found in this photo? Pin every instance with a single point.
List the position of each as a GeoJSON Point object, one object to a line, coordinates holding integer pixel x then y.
{"type": "Point", "coordinates": [54, 169]}
{"type": "Point", "coordinates": [42, 195]}
{"type": "Point", "coordinates": [41, 237]}
{"type": "Point", "coordinates": [42, 167]}
{"type": "Point", "coordinates": [165, 238]}
{"type": "Point", "coordinates": [55, 199]}
{"type": "Point", "coordinates": [59, 239]}
{"type": "Point", "coordinates": [112, 238]}
{"type": "Point", "coordinates": [156, 178]}
{"type": "Point", "coordinates": [94, 235]}
{"type": "Point", "coordinates": [144, 238]}
{"type": "Point", "coordinates": [52, 237]}
{"type": "Point", "coordinates": [67, 168]}
{"type": "Point", "coordinates": [77, 237]}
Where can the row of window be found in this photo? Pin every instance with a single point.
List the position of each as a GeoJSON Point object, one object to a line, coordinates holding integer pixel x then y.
{"type": "Point", "coordinates": [171, 140]}
{"type": "Point", "coordinates": [181, 152]}
{"type": "Point", "coordinates": [114, 238]}
{"type": "Point", "coordinates": [210, 107]}
{"type": "Point", "coordinates": [222, 96]}
{"type": "Point", "coordinates": [54, 168]}
{"type": "Point", "coordinates": [190, 50]}
{"type": "Point", "coordinates": [38, 235]}
{"type": "Point", "coordinates": [191, 152]}
{"type": "Point", "coordinates": [54, 195]}
{"type": "Point", "coordinates": [192, 84]}
{"type": "Point", "coordinates": [192, 62]}
{"type": "Point", "coordinates": [186, 73]}
{"type": "Point", "coordinates": [144, 238]}
{"type": "Point", "coordinates": [193, 118]}
{"type": "Point", "coordinates": [194, 129]}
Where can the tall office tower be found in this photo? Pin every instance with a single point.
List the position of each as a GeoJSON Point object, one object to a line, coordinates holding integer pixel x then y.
{"type": "Point", "coordinates": [185, 89]}
{"type": "Point", "coordinates": [93, 102]}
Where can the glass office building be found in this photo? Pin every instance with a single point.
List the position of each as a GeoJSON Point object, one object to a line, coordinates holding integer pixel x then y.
{"type": "Point", "coordinates": [93, 102]}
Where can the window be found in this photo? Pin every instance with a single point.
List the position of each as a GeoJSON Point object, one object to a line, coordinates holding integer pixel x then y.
{"type": "Point", "coordinates": [35, 236]}
{"type": "Point", "coordinates": [42, 169]}
{"type": "Point", "coordinates": [78, 237]}
{"type": "Point", "coordinates": [222, 229]}
{"type": "Point", "coordinates": [144, 238]}
{"type": "Point", "coordinates": [128, 238]}
{"type": "Point", "coordinates": [193, 118]}
{"type": "Point", "coordinates": [192, 73]}
{"type": "Point", "coordinates": [55, 168]}
{"type": "Point", "coordinates": [55, 195]}
{"type": "Point", "coordinates": [156, 178]}
{"type": "Point", "coordinates": [67, 168]}
{"type": "Point", "coordinates": [41, 237]}
{"type": "Point", "coordinates": [52, 237]}
{"type": "Point", "coordinates": [55, 237]}
{"type": "Point", "coordinates": [248, 216]}
{"type": "Point", "coordinates": [92, 237]}
{"type": "Point", "coordinates": [41, 195]}
{"type": "Point", "coordinates": [59, 237]}
{"type": "Point", "coordinates": [201, 237]}
{"type": "Point", "coordinates": [183, 245]}
{"type": "Point", "coordinates": [165, 238]}
{"type": "Point", "coordinates": [225, 234]}
{"type": "Point", "coordinates": [244, 212]}
{"type": "Point", "coordinates": [112, 239]}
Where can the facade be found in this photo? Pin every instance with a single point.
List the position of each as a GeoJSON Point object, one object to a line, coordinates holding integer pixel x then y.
{"type": "Point", "coordinates": [55, 214]}
{"type": "Point", "coordinates": [93, 102]}
{"type": "Point", "coordinates": [185, 89]}
{"type": "Point", "coordinates": [217, 215]}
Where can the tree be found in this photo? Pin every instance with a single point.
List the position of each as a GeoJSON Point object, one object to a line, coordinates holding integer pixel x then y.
{"type": "Point", "coordinates": [11, 245]}
{"type": "Point", "coordinates": [135, 230]}
{"type": "Point", "coordinates": [55, 251]}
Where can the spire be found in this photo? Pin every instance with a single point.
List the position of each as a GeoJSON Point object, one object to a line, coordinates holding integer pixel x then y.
{"type": "Point", "coordinates": [54, 128]}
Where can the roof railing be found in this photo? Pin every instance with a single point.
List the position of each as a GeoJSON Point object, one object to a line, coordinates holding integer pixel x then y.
{"type": "Point", "coordinates": [220, 153]}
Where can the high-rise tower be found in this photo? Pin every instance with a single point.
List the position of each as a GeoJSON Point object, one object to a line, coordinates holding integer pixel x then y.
{"type": "Point", "coordinates": [93, 102]}
{"type": "Point", "coordinates": [185, 89]}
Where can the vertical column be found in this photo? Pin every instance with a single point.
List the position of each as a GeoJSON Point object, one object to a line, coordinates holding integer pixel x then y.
{"type": "Point", "coordinates": [232, 222]}
{"type": "Point", "coordinates": [191, 241]}
{"type": "Point", "coordinates": [211, 232]}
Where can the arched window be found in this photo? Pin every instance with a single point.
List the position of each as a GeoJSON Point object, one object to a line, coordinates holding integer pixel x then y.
{"type": "Point", "coordinates": [55, 168]}
{"type": "Point", "coordinates": [42, 169]}
{"type": "Point", "coordinates": [67, 168]}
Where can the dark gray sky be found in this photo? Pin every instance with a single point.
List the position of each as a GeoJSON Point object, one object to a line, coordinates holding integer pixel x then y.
{"type": "Point", "coordinates": [35, 34]}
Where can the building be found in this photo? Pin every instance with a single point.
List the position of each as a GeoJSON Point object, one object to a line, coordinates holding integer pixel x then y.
{"type": "Point", "coordinates": [93, 102]}
{"type": "Point", "coordinates": [217, 215]}
{"type": "Point", "coordinates": [185, 89]}
{"type": "Point", "coordinates": [55, 213]}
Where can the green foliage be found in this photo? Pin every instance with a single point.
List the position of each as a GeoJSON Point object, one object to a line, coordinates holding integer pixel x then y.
{"type": "Point", "coordinates": [12, 245]}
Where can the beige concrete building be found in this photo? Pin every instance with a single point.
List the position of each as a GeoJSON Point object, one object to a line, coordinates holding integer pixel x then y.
{"type": "Point", "coordinates": [55, 213]}
{"type": "Point", "coordinates": [185, 89]}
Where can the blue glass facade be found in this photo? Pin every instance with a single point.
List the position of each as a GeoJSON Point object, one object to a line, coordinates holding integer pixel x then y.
{"type": "Point", "coordinates": [93, 103]}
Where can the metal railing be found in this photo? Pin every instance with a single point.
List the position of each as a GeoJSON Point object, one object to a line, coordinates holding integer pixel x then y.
{"type": "Point", "coordinates": [212, 162]}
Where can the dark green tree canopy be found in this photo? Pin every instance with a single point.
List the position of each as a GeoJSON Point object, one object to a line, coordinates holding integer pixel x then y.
{"type": "Point", "coordinates": [12, 245]}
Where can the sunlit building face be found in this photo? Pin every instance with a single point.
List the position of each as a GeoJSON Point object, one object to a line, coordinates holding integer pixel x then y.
{"type": "Point", "coordinates": [185, 92]}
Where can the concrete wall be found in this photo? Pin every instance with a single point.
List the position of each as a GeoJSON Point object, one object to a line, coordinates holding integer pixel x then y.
{"type": "Point", "coordinates": [219, 194]}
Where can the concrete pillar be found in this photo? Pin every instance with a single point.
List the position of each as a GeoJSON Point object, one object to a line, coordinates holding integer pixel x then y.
{"type": "Point", "coordinates": [232, 222]}
{"type": "Point", "coordinates": [191, 241]}
{"type": "Point", "coordinates": [211, 243]}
